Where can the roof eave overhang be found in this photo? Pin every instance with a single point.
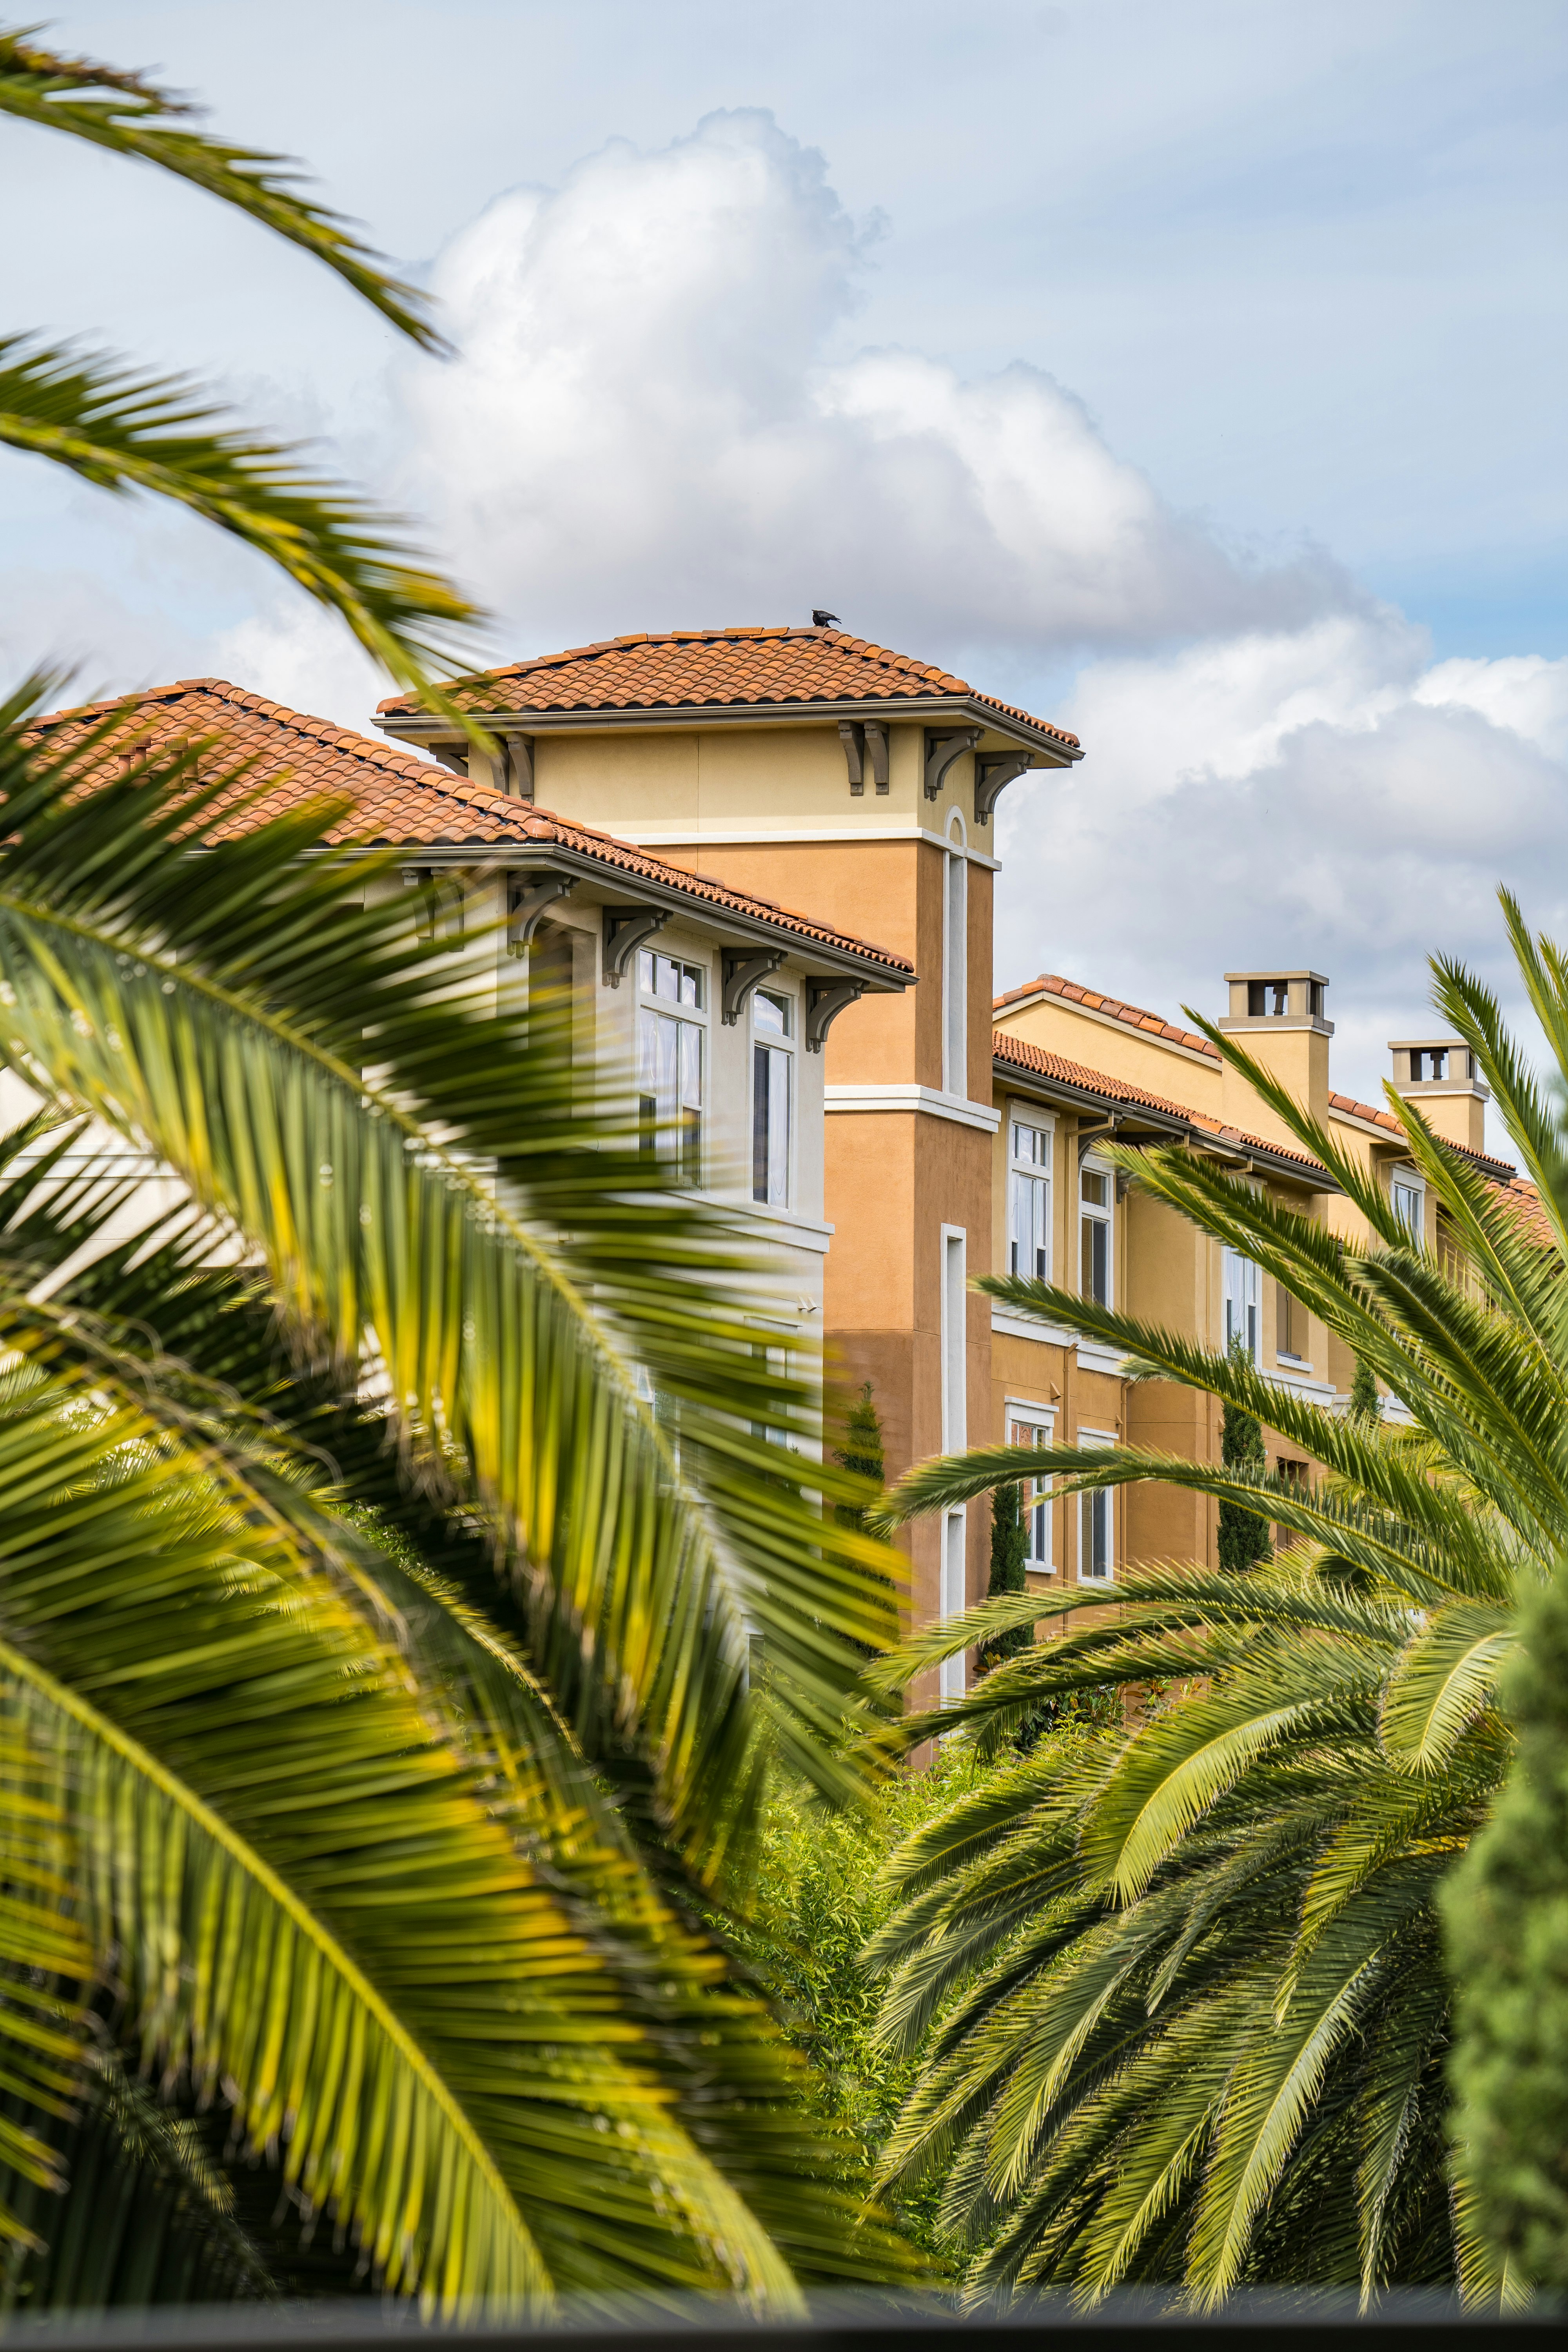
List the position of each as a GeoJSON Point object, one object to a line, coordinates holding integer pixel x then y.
{"type": "Point", "coordinates": [1168, 1124]}
{"type": "Point", "coordinates": [640, 890]}
{"type": "Point", "coordinates": [971, 709]}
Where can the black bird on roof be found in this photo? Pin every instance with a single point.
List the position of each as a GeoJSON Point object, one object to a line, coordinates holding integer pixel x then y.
{"type": "Point", "coordinates": [821, 620]}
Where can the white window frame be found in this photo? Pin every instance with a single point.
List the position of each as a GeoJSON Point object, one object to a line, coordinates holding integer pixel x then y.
{"type": "Point", "coordinates": [692, 1016]}
{"type": "Point", "coordinates": [1239, 1276]}
{"type": "Point", "coordinates": [1103, 1499]}
{"type": "Point", "coordinates": [1021, 1171]}
{"type": "Point", "coordinates": [1415, 1187]}
{"type": "Point", "coordinates": [955, 961]}
{"type": "Point", "coordinates": [955, 1671]}
{"type": "Point", "coordinates": [954, 1278]}
{"type": "Point", "coordinates": [785, 1046]}
{"type": "Point", "coordinates": [1091, 1165]}
{"type": "Point", "coordinates": [1039, 1513]}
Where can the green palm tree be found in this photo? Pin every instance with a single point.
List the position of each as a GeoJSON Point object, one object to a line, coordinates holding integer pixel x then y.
{"type": "Point", "coordinates": [124, 430]}
{"type": "Point", "coordinates": [1184, 1982]}
{"type": "Point", "coordinates": [400, 1612]}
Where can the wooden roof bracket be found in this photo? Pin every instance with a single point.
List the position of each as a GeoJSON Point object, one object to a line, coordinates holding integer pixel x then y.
{"type": "Point", "coordinates": [825, 1000]}
{"type": "Point", "coordinates": [741, 975]}
{"type": "Point", "coordinates": [625, 929]}
{"type": "Point", "coordinates": [992, 773]}
{"type": "Point", "coordinates": [525, 906]}
{"type": "Point", "coordinates": [942, 751]}
{"type": "Point", "coordinates": [852, 735]}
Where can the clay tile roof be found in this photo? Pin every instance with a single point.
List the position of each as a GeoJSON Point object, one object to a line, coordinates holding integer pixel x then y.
{"type": "Point", "coordinates": [400, 799]}
{"type": "Point", "coordinates": [682, 667]}
{"type": "Point", "coordinates": [1025, 1057]}
{"type": "Point", "coordinates": [1369, 1111]}
{"type": "Point", "coordinates": [1131, 1016]}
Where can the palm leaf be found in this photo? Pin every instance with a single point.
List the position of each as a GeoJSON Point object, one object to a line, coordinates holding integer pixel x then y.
{"type": "Point", "coordinates": [130, 115]}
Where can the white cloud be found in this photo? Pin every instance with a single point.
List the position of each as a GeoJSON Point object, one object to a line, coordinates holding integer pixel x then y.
{"type": "Point", "coordinates": [1316, 798]}
{"type": "Point", "coordinates": [647, 425]}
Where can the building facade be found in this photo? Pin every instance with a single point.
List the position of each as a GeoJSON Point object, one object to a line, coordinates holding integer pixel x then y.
{"type": "Point", "coordinates": [757, 864]}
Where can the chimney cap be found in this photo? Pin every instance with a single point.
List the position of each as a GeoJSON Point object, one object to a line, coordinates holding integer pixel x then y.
{"type": "Point", "coordinates": [1279, 971]}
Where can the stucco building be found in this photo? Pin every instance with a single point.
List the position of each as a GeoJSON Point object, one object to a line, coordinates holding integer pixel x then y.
{"type": "Point", "coordinates": [757, 862]}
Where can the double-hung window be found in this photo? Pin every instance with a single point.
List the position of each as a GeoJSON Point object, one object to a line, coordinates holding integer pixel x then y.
{"type": "Point", "coordinates": [1410, 1207]}
{"type": "Point", "coordinates": [670, 1050]}
{"type": "Point", "coordinates": [1031, 1425]}
{"type": "Point", "coordinates": [1097, 1523]}
{"type": "Point", "coordinates": [1241, 1318]}
{"type": "Point", "coordinates": [1096, 1206]}
{"type": "Point", "coordinates": [1029, 1201]}
{"type": "Point", "coordinates": [772, 1096]}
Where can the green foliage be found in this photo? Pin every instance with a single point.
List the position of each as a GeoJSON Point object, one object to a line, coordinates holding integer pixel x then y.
{"type": "Point", "coordinates": [377, 1677]}
{"type": "Point", "coordinates": [1009, 1550]}
{"type": "Point", "coordinates": [861, 1454]}
{"type": "Point", "coordinates": [1363, 1405]}
{"type": "Point", "coordinates": [1506, 1911]}
{"type": "Point", "coordinates": [1244, 1537]}
{"type": "Point", "coordinates": [123, 430]}
{"type": "Point", "coordinates": [1192, 2014]}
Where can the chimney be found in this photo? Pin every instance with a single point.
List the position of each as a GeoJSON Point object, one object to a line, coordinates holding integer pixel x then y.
{"type": "Point", "coordinates": [1439, 1074]}
{"type": "Point", "coordinates": [1278, 1017]}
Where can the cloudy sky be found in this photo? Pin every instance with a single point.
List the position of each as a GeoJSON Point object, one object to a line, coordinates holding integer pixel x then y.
{"type": "Point", "coordinates": [1191, 375]}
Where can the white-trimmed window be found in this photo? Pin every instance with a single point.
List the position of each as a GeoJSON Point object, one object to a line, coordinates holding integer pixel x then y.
{"type": "Point", "coordinates": [671, 1020]}
{"type": "Point", "coordinates": [1409, 1198]}
{"type": "Point", "coordinates": [772, 1096]}
{"type": "Point", "coordinates": [953, 1676]}
{"type": "Point", "coordinates": [1242, 1320]}
{"type": "Point", "coordinates": [1033, 1425]}
{"type": "Point", "coordinates": [1097, 1208]}
{"type": "Point", "coordinates": [1028, 1198]}
{"type": "Point", "coordinates": [1096, 1522]}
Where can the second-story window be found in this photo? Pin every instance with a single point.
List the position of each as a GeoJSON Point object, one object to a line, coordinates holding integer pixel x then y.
{"type": "Point", "coordinates": [1032, 1425]}
{"type": "Point", "coordinates": [1029, 1201]}
{"type": "Point", "coordinates": [772, 1087]}
{"type": "Point", "coordinates": [669, 1060]}
{"type": "Point", "coordinates": [1095, 1195]}
{"type": "Point", "coordinates": [1240, 1302]}
{"type": "Point", "coordinates": [1410, 1207]}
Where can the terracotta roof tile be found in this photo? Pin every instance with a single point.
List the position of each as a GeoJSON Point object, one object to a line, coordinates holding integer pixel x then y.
{"type": "Point", "coordinates": [677, 667]}
{"type": "Point", "coordinates": [1111, 1008]}
{"type": "Point", "coordinates": [1025, 1057]}
{"type": "Point", "coordinates": [398, 798]}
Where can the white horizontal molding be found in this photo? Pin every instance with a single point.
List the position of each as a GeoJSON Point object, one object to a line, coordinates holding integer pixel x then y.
{"type": "Point", "coordinates": [1316, 1391]}
{"type": "Point", "coordinates": [686, 837]}
{"type": "Point", "coordinates": [1013, 1325]}
{"type": "Point", "coordinates": [910, 1098]}
{"type": "Point", "coordinates": [1094, 1358]}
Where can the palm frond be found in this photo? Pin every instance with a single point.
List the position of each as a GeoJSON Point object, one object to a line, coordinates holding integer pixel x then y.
{"type": "Point", "coordinates": [128, 114]}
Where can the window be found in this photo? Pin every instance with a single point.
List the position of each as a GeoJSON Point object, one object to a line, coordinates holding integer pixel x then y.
{"type": "Point", "coordinates": [1241, 1320]}
{"type": "Point", "coordinates": [954, 1348]}
{"type": "Point", "coordinates": [953, 1676]}
{"type": "Point", "coordinates": [1095, 1198]}
{"type": "Point", "coordinates": [1291, 1337]}
{"type": "Point", "coordinates": [773, 1083]}
{"type": "Point", "coordinates": [1095, 1524]}
{"type": "Point", "coordinates": [1029, 1201]}
{"type": "Point", "coordinates": [955, 977]}
{"type": "Point", "coordinates": [1410, 1207]}
{"type": "Point", "coordinates": [1031, 1425]}
{"type": "Point", "coordinates": [669, 1060]}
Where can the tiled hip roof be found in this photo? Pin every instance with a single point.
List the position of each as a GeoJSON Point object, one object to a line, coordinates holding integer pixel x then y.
{"type": "Point", "coordinates": [404, 802]}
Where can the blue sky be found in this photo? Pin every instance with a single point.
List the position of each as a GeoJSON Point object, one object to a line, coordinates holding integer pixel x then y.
{"type": "Point", "coordinates": [1194, 374]}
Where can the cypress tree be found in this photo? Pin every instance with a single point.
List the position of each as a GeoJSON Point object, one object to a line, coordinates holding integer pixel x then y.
{"type": "Point", "coordinates": [1244, 1538]}
{"type": "Point", "coordinates": [1364, 1395]}
{"type": "Point", "coordinates": [1506, 1911]}
{"type": "Point", "coordinates": [862, 1452]}
{"type": "Point", "coordinates": [1009, 1549]}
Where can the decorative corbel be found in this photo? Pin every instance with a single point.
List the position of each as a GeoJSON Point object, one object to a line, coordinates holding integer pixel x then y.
{"type": "Point", "coordinates": [825, 1000]}
{"type": "Point", "coordinates": [942, 751]}
{"type": "Point", "coordinates": [1107, 1128]}
{"type": "Point", "coordinates": [451, 755]}
{"type": "Point", "coordinates": [519, 766]}
{"type": "Point", "coordinates": [525, 906]}
{"type": "Point", "coordinates": [435, 887]}
{"type": "Point", "coordinates": [741, 975]}
{"type": "Point", "coordinates": [625, 929]}
{"type": "Point", "coordinates": [876, 751]}
{"type": "Point", "coordinates": [992, 775]}
{"type": "Point", "coordinates": [853, 737]}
